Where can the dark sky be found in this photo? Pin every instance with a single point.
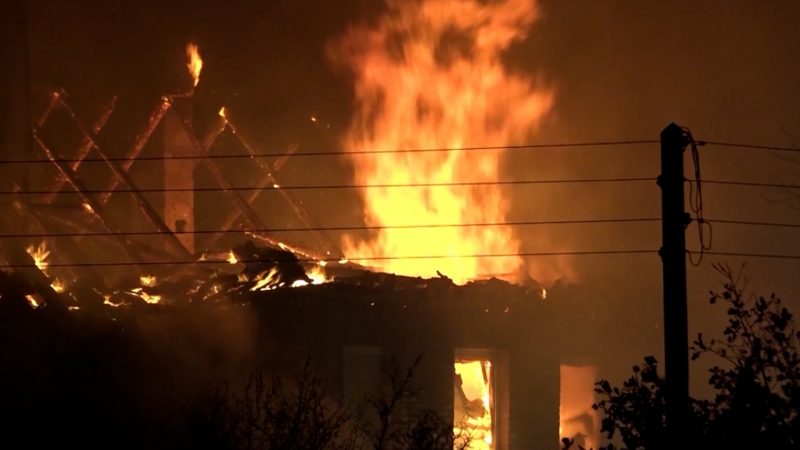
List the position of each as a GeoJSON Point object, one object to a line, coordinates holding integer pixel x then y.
{"type": "Point", "coordinates": [620, 70]}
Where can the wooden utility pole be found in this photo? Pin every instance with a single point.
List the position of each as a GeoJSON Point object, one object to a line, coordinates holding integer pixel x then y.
{"type": "Point", "coordinates": [673, 257]}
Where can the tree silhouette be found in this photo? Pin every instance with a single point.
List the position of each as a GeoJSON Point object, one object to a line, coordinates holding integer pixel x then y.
{"type": "Point", "coordinates": [756, 383]}
{"type": "Point", "coordinates": [292, 413]}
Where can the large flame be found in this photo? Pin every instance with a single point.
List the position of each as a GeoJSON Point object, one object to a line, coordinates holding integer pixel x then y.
{"type": "Point", "coordinates": [430, 75]}
{"type": "Point", "coordinates": [195, 64]}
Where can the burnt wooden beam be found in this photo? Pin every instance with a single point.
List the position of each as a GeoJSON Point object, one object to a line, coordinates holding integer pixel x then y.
{"type": "Point", "coordinates": [86, 144]}
{"type": "Point", "coordinates": [139, 142]}
{"type": "Point", "coordinates": [30, 211]}
{"type": "Point", "coordinates": [23, 264]}
{"type": "Point", "coordinates": [92, 205]}
{"type": "Point", "coordinates": [330, 248]}
{"type": "Point", "coordinates": [123, 178]}
{"type": "Point", "coordinates": [51, 106]}
{"type": "Point", "coordinates": [203, 149]}
{"type": "Point", "coordinates": [234, 214]}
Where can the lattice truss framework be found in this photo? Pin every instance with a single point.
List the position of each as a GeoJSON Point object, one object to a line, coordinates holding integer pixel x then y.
{"type": "Point", "coordinates": [241, 216]}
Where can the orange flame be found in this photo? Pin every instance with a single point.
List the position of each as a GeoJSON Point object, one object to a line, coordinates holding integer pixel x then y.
{"type": "Point", "coordinates": [430, 75]}
{"type": "Point", "coordinates": [577, 419]}
{"type": "Point", "coordinates": [195, 64]}
{"type": "Point", "coordinates": [316, 274]}
{"type": "Point", "coordinates": [39, 254]}
{"type": "Point", "coordinates": [474, 426]}
{"type": "Point", "coordinates": [32, 301]}
{"type": "Point", "coordinates": [58, 285]}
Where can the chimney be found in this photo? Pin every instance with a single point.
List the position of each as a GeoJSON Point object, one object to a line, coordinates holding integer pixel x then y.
{"type": "Point", "coordinates": [179, 173]}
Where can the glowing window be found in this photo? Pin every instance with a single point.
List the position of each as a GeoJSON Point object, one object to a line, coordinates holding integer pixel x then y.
{"type": "Point", "coordinates": [473, 404]}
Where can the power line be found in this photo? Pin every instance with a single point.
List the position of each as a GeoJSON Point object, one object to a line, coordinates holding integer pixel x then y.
{"type": "Point", "coordinates": [333, 260]}
{"type": "Point", "coordinates": [333, 228]}
{"type": "Point", "coordinates": [342, 153]}
{"type": "Point", "coordinates": [755, 223]}
{"type": "Point", "coordinates": [387, 227]}
{"type": "Point", "coordinates": [276, 187]}
{"type": "Point", "coordinates": [751, 146]}
{"type": "Point", "coordinates": [754, 255]}
{"type": "Point", "coordinates": [752, 184]}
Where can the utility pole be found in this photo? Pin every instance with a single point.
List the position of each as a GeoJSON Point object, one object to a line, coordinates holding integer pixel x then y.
{"type": "Point", "coordinates": [674, 220]}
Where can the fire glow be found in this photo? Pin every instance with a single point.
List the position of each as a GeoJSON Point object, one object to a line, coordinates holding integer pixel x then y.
{"type": "Point", "coordinates": [430, 75]}
{"type": "Point", "coordinates": [473, 417]}
{"type": "Point", "coordinates": [577, 419]}
{"type": "Point", "coordinates": [39, 254]}
{"type": "Point", "coordinates": [195, 64]}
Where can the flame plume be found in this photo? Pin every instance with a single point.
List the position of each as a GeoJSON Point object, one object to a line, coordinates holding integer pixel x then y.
{"type": "Point", "coordinates": [195, 64]}
{"type": "Point", "coordinates": [429, 75]}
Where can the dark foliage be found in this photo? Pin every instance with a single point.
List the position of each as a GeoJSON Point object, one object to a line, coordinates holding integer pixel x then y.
{"type": "Point", "coordinates": [757, 387]}
{"type": "Point", "coordinates": [277, 415]}
{"type": "Point", "coordinates": [269, 414]}
{"type": "Point", "coordinates": [756, 383]}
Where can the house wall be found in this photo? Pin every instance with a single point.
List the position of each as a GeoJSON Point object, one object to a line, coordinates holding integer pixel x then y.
{"type": "Point", "coordinates": [340, 327]}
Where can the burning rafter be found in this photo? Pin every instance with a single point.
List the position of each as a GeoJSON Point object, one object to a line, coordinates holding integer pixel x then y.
{"type": "Point", "coordinates": [122, 177]}
{"type": "Point", "coordinates": [244, 207]}
{"type": "Point", "coordinates": [95, 206]}
{"type": "Point", "coordinates": [269, 180]}
{"type": "Point", "coordinates": [91, 203]}
{"type": "Point", "coordinates": [87, 144]}
{"type": "Point", "coordinates": [139, 143]}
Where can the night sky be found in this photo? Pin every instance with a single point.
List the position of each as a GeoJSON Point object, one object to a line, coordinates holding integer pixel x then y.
{"type": "Point", "coordinates": [620, 70]}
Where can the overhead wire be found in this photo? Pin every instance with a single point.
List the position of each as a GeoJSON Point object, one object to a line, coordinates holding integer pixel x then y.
{"type": "Point", "coordinates": [332, 228]}
{"type": "Point", "coordinates": [284, 154]}
{"type": "Point", "coordinates": [277, 187]}
{"type": "Point", "coordinates": [334, 260]}
{"type": "Point", "coordinates": [753, 184]}
{"type": "Point", "coordinates": [695, 186]}
{"type": "Point", "coordinates": [750, 146]}
{"type": "Point", "coordinates": [755, 223]}
{"type": "Point", "coordinates": [344, 228]}
{"type": "Point", "coordinates": [754, 255]}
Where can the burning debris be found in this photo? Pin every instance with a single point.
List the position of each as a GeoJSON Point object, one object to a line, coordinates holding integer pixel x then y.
{"type": "Point", "coordinates": [252, 269]}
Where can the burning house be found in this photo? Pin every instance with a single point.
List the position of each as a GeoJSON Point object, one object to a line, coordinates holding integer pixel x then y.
{"type": "Point", "coordinates": [432, 273]}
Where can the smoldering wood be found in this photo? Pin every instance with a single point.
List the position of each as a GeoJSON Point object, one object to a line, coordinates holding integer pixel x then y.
{"type": "Point", "coordinates": [36, 217]}
{"type": "Point", "coordinates": [139, 142]}
{"type": "Point", "coordinates": [25, 266]}
{"type": "Point", "coordinates": [203, 150]}
{"type": "Point", "coordinates": [297, 206]}
{"type": "Point", "coordinates": [51, 105]}
{"type": "Point", "coordinates": [86, 146]}
{"type": "Point", "coordinates": [94, 207]}
{"type": "Point", "coordinates": [122, 178]}
{"type": "Point", "coordinates": [250, 215]}
{"type": "Point", "coordinates": [234, 214]}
